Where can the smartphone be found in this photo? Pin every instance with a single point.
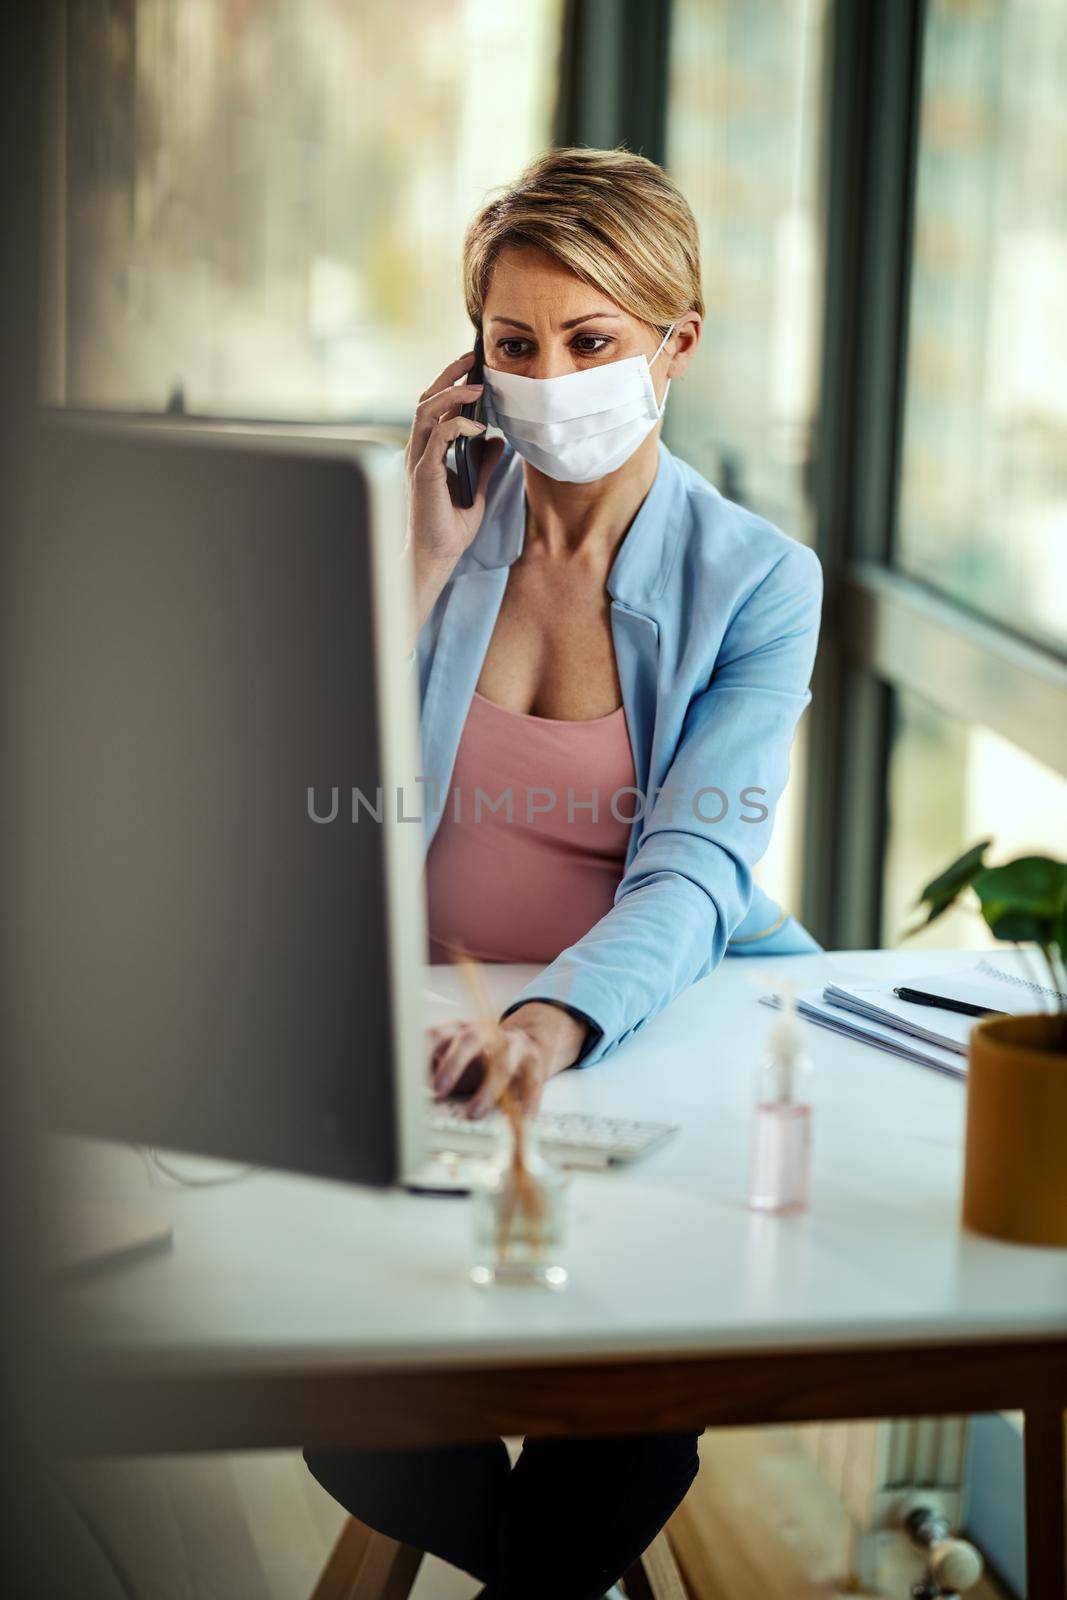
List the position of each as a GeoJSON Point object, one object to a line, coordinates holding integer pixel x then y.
{"type": "Point", "coordinates": [469, 451]}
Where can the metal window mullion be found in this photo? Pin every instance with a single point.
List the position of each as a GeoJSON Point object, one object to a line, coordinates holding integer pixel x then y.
{"type": "Point", "coordinates": [613, 76]}
{"type": "Point", "coordinates": [869, 159]}
{"type": "Point", "coordinates": [52, 380]}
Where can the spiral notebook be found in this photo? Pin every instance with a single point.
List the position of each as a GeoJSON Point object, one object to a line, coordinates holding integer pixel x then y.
{"type": "Point", "coordinates": [872, 1014]}
{"type": "Point", "coordinates": [995, 987]}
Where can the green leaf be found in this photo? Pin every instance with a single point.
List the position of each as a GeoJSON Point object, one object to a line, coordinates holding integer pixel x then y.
{"type": "Point", "coordinates": [1020, 927]}
{"type": "Point", "coordinates": [958, 875]}
{"type": "Point", "coordinates": [1024, 902]}
{"type": "Point", "coordinates": [943, 891]}
{"type": "Point", "coordinates": [1032, 884]}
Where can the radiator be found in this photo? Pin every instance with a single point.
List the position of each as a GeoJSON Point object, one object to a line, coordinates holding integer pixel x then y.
{"type": "Point", "coordinates": [875, 1468]}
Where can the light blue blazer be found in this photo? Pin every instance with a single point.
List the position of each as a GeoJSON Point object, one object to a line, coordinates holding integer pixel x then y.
{"type": "Point", "coordinates": [714, 618]}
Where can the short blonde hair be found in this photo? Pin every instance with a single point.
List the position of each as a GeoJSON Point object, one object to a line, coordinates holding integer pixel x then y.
{"type": "Point", "coordinates": [612, 217]}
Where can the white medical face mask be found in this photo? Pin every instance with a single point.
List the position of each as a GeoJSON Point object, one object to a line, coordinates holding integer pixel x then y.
{"type": "Point", "coordinates": [583, 425]}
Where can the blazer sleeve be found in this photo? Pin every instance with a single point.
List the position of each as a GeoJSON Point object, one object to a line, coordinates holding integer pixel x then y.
{"type": "Point", "coordinates": [690, 882]}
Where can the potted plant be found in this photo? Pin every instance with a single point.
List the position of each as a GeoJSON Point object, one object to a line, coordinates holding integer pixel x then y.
{"type": "Point", "coordinates": [1015, 1164]}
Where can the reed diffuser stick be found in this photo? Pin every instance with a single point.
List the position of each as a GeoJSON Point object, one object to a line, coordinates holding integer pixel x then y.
{"type": "Point", "coordinates": [526, 1189]}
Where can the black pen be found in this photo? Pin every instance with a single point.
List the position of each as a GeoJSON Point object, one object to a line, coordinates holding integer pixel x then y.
{"type": "Point", "coordinates": [919, 997]}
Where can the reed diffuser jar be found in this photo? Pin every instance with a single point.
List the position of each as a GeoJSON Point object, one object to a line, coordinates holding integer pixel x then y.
{"type": "Point", "coordinates": [519, 1213]}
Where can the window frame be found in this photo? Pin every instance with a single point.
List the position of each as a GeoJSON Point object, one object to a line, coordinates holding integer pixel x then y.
{"type": "Point", "coordinates": [883, 629]}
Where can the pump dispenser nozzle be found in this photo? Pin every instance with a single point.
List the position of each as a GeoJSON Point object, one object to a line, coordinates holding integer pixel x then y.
{"type": "Point", "coordinates": [785, 1043]}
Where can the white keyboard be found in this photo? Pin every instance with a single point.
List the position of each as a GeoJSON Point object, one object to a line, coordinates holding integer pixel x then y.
{"type": "Point", "coordinates": [565, 1137]}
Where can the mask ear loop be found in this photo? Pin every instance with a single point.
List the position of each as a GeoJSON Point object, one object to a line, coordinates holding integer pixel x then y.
{"type": "Point", "coordinates": [667, 387]}
{"type": "Point", "coordinates": [662, 342]}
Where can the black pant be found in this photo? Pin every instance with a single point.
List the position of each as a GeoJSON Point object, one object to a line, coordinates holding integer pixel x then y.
{"type": "Point", "coordinates": [566, 1522]}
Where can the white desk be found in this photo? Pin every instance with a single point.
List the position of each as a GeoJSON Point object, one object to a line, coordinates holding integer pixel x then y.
{"type": "Point", "coordinates": [294, 1310]}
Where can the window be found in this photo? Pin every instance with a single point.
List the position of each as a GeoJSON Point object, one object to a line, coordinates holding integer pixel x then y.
{"type": "Point", "coordinates": [951, 784]}
{"type": "Point", "coordinates": [743, 142]}
{"type": "Point", "coordinates": [265, 200]}
{"type": "Point", "coordinates": [745, 93]}
{"type": "Point", "coordinates": [943, 515]}
{"type": "Point", "coordinates": [983, 511]}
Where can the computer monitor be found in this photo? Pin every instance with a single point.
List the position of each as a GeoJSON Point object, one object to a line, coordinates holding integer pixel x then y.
{"type": "Point", "coordinates": [212, 654]}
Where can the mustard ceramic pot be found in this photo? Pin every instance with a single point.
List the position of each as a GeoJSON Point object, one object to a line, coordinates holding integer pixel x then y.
{"type": "Point", "coordinates": [1015, 1176]}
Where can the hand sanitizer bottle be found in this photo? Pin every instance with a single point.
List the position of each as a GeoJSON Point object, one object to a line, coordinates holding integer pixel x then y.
{"type": "Point", "coordinates": [780, 1180]}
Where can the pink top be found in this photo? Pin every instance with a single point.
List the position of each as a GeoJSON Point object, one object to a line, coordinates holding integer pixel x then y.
{"type": "Point", "coordinates": [531, 846]}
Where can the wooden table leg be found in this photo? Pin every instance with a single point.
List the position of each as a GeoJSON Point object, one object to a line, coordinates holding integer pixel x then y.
{"type": "Point", "coordinates": [346, 1558]}
{"type": "Point", "coordinates": [1046, 1518]}
{"type": "Point", "coordinates": [365, 1565]}
{"type": "Point", "coordinates": [388, 1571]}
{"type": "Point", "coordinates": [656, 1576]}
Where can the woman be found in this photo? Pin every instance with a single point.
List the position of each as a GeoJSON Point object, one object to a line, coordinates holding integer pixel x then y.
{"type": "Point", "coordinates": [626, 653]}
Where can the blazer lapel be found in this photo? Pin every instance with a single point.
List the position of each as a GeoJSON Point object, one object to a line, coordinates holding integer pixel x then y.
{"type": "Point", "coordinates": [635, 582]}
{"type": "Point", "coordinates": [636, 640]}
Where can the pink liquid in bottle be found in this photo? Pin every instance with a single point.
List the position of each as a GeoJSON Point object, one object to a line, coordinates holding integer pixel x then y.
{"type": "Point", "coordinates": [780, 1180]}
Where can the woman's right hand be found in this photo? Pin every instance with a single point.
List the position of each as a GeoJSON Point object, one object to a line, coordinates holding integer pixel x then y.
{"type": "Point", "coordinates": [439, 528]}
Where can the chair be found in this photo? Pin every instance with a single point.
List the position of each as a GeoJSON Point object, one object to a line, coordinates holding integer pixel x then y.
{"type": "Point", "coordinates": [365, 1565]}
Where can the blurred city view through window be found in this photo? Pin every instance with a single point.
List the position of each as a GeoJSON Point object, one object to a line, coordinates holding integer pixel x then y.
{"type": "Point", "coordinates": [266, 198]}
{"type": "Point", "coordinates": [983, 511]}
{"type": "Point", "coordinates": [743, 141]}
{"type": "Point", "coordinates": [950, 785]}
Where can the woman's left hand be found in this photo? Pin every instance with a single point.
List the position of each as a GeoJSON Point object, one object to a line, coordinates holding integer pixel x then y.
{"type": "Point", "coordinates": [525, 1050]}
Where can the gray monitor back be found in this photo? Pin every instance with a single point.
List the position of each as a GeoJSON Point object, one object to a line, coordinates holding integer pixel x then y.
{"type": "Point", "coordinates": [209, 623]}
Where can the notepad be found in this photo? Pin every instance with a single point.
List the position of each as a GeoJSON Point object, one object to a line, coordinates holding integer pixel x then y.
{"type": "Point", "coordinates": [981, 985]}
{"type": "Point", "coordinates": [813, 1006]}
{"type": "Point", "coordinates": [993, 987]}
{"type": "Point", "coordinates": [876, 1002]}
{"type": "Point", "coordinates": [872, 1014]}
